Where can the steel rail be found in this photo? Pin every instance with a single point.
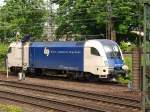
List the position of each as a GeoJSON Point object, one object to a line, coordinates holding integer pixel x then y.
{"type": "Point", "coordinates": [47, 103]}
{"type": "Point", "coordinates": [122, 101]}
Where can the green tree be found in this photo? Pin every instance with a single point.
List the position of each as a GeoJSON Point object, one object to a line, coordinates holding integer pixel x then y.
{"type": "Point", "coordinates": [89, 17]}
{"type": "Point", "coordinates": [24, 16]}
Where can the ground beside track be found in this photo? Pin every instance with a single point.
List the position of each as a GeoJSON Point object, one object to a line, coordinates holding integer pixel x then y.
{"type": "Point", "coordinates": [91, 87]}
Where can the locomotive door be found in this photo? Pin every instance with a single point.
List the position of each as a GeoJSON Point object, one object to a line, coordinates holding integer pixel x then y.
{"type": "Point", "coordinates": [15, 56]}
{"type": "Point", "coordinates": [92, 60]}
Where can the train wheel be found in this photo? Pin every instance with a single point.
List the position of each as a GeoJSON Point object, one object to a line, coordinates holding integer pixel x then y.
{"type": "Point", "coordinates": [80, 76]}
{"type": "Point", "coordinates": [38, 71]}
{"type": "Point", "coordinates": [76, 76]}
{"type": "Point", "coordinates": [70, 77]}
{"type": "Point", "coordinates": [93, 78]}
{"type": "Point", "coordinates": [13, 70]}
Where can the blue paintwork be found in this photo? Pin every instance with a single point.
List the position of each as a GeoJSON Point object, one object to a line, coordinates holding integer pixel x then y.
{"type": "Point", "coordinates": [62, 55]}
{"type": "Point", "coordinates": [115, 62]}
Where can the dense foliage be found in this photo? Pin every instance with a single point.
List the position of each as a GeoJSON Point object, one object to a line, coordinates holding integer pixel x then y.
{"type": "Point", "coordinates": [3, 52]}
{"type": "Point", "coordinates": [24, 16]}
{"type": "Point", "coordinates": [89, 17]}
{"type": "Point", "coordinates": [73, 17]}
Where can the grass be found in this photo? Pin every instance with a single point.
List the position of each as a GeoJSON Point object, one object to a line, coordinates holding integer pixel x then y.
{"type": "Point", "coordinates": [10, 108]}
{"type": "Point", "coordinates": [128, 61]}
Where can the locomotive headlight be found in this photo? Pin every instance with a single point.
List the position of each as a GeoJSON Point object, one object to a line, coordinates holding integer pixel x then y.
{"type": "Point", "coordinates": [125, 67]}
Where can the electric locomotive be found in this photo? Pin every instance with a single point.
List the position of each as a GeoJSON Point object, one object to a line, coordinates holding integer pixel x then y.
{"type": "Point", "coordinates": [99, 58]}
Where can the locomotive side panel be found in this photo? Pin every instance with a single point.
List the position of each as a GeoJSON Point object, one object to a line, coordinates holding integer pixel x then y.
{"type": "Point", "coordinates": [59, 58]}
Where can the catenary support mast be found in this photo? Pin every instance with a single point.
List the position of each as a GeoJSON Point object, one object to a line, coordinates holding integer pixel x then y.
{"type": "Point", "coordinates": [50, 21]}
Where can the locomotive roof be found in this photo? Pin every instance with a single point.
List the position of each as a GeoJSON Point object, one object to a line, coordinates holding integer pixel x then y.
{"type": "Point", "coordinates": [106, 41]}
{"type": "Point", "coordinates": [58, 44]}
{"type": "Point", "coordinates": [71, 43]}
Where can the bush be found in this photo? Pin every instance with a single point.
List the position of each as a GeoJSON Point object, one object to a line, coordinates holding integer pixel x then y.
{"type": "Point", "coordinates": [126, 46]}
{"type": "Point", "coordinates": [3, 52]}
{"type": "Point", "coordinates": [128, 62]}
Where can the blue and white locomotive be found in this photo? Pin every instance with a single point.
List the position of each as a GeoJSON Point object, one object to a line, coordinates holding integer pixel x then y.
{"type": "Point", "coordinates": [100, 58]}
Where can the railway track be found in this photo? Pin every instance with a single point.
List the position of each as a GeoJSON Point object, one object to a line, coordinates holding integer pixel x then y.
{"type": "Point", "coordinates": [47, 103]}
{"type": "Point", "coordinates": [128, 103]}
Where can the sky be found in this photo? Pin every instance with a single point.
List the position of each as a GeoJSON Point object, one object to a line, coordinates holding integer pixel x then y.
{"type": "Point", "coordinates": [1, 2]}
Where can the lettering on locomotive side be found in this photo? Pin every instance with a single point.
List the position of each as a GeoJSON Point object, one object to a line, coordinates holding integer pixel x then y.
{"type": "Point", "coordinates": [47, 52]}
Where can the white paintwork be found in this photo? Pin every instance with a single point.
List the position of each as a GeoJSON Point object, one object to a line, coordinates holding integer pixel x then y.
{"type": "Point", "coordinates": [96, 64]}
{"type": "Point", "coordinates": [15, 56]}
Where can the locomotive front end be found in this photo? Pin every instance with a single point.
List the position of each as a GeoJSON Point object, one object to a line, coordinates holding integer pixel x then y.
{"type": "Point", "coordinates": [103, 58]}
{"type": "Point", "coordinates": [114, 59]}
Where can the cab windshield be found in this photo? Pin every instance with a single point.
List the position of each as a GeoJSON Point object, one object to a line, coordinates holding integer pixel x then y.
{"type": "Point", "coordinates": [9, 50]}
{"type": "Point", "coordinates": [112, 50]}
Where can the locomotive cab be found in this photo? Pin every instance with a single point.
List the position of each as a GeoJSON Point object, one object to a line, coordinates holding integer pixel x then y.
{"type": "Point", "coordinates": [103, 58]}
{"type": "Point", "coordinates": [14, 56]}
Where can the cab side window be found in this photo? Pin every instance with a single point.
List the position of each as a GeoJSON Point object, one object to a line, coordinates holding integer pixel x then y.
{"type": "Point", "coordinates": [94, 51]}
{"type": "Point", "coordinates": [9, 50]}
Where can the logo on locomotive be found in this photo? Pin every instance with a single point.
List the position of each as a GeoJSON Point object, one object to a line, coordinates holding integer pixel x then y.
{"type": "Point", "coordinates": [46, 51]}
